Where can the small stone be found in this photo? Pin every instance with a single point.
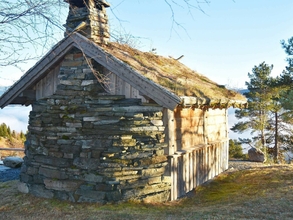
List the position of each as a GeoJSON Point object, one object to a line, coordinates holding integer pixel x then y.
{"type": "Point", "coordinates": [22, 187]}
{"type": "Point", "coordinates": [13, 162]}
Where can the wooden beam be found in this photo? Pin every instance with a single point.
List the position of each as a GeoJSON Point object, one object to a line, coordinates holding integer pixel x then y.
{"type": "Point", "coordinates": [156, 92]}
{"type": "Point", "coordinates": [12, 149]}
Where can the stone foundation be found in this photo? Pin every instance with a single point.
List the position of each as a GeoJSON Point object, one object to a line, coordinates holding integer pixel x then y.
{"type": "Point", "coordinates": [86, 146]}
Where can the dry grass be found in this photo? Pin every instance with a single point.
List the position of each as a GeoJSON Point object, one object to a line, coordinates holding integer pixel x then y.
{"type": "Point", "coordinates": [259, 193]}
{"type": "Point", "coordinates": [171, 74]}
{"type": "Point", "coordinates": [15, 143]}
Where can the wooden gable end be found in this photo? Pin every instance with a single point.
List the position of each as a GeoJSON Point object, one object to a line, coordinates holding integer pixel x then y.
{"type": "Point", "coordinates": [18, 92]}
{"type": "Point", "coordinates": [36, 75]}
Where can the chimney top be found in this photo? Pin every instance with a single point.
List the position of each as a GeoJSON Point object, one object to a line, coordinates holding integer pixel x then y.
{"type": "Point", "coordinates": [83, 3]}
{"type": "Point", "coordinates": [89, 18]}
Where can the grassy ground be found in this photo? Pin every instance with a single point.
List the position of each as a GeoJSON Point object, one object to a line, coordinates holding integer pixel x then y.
{"type": "Point", "coordinates": [258, 193]}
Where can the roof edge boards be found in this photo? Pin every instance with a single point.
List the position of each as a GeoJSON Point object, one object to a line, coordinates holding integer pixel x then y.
{"type": "Point", "coordinates": [190, 101]}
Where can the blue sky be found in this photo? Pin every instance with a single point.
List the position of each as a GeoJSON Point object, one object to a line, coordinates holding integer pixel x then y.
{"type": "Point", "coordinates": [223, 43]}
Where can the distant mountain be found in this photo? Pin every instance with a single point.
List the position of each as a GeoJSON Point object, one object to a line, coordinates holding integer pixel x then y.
{"type": "Point", "coordinates": [242, 91]}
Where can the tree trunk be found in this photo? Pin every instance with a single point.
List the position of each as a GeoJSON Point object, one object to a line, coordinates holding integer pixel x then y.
{"type": "Point", "coordinates": [276, 147]}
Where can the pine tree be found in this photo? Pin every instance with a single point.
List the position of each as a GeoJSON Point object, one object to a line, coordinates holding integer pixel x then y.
{"type": "Point", "coordinates": [260, 103]}
{"type": "Point", "coordinates": [4, 132]}
{"type": "Point", "coordinates": [235, 149]}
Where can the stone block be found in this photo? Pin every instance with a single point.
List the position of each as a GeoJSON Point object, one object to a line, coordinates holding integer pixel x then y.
{"type": "Point", "coordinates": [62, 185]}
{"type": "Point", "coordinates": [65, 142]}
{"type": "Point", "coordinates": [158, 197]}
{"type": "Point", "coordinates": [73, 149]}
{"type": "Point", "coordinates": [68, 155]}
{"type": "Point", "coordinates": [153, 172]}
{"type": "Point", "coordinates": [75, 125]}
{"type": "Point", "coordinates": [104, 187]}
{"type": "Point", "coordinates": [90, 177]}
{"type": "Point", "coordinates": [61, 195]}
{"type": "Point", "coordinates": [22, 187]}
{"type": "Point", "coordinates": [53, 173]}
{"type": "Point", "coordinates": [113, 196]}
{"type": "Point", "coordinates": [55, 154]}
{"type": "Point", "coordinates": [147, 190]}
{"type": "Point", "coordinates": [154, 180]}
{"type": "Point", "coordinates": [87, 82]}
{"type": "Point", "coordinates": [96, 154]}
{"type": "Point", "coordinates": [91, 195]}
{"type": "Point", "coordinates": [87, 186]}
{"type": "Point", "coordinates": [40, 191]}
{"type": "Point", "coordinates": [13, 162]}
{"type": "Point", "coordinates": [25, 178]}
{"type": "Point", "coordinates": [86, 163]}
{"type": "Point", "coordinates": [38, 179]}
{"type": "Point", "coordinates": [32, 170]}
{"type": "Point", "coordinates": [53, 161]}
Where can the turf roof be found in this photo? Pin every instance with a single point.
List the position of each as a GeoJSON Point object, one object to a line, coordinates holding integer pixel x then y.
{"type": "Point", "coordinates": [174, 76]}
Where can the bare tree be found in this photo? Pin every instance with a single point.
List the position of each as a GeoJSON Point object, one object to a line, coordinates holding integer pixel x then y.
{"type": "Point", "coordinates": [26, 26]}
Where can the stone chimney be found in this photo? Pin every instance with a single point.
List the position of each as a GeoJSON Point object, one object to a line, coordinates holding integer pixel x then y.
{"type": "Point", "coordinates": [89, 18]}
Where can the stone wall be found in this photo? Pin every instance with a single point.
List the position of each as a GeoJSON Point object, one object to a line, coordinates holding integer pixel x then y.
{"type": "Point", "coordinates": [87, 146]}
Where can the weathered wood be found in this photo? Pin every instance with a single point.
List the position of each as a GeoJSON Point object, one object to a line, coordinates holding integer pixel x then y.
{"type": "Point", "coordinates": [48, 85]}
{"type": "Point", "coordinates": [123, 71]}
{"type": "Point", "coordinates": [36, 72]}
{"type": "Point", "coordinates": [12, 149]}
{"type": "Point", "coordinates": [170, 131]}
{"type": "Point", "coordinates": [190, 168]}
{"type": "Point", "coordinates": [119, 87]}
{"type": "Point", "coordinates": [188, 101]}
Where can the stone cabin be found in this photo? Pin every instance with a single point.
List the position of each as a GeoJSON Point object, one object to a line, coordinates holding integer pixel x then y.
{"type": "Point", "coordinates": [110, 123]}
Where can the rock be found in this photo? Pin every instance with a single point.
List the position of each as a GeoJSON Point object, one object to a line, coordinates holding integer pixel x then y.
{"type": "Point", "coordinates": [13, 162]}
{"type": "Point", "coordinates": [22, 187]}
{"type": "Point", "coordinates": [256, 155]}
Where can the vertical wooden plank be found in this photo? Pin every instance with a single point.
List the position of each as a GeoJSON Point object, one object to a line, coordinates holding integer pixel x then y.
{"type": "Point", "coordinates": [218, 159]}
{"type": "Point", "coordinates": [226, 146]}
{"type": "Point", "coordinates": [191, 166]}
{"type": "Point", "coordinates": [173, 178]}
{"type": "Point", "coordinates": [112, 83]}
{"type": "Point", "coordinates": [201, 166]}
{"type": "Point", "coordinates": [184, 168]}
{"type": "Point", "coordinates": [182, 176]}
{"type": "Point", "coordinates": [205, 163]}
{"type": "Point", "coordinates": [223, 157]}
{"type": "Point", "coordinates": [212, 161]}
{"type": "Point", "coordinates": [194, 167]}
{"type": "Point", "coordinates": [208, 162]}
{"type": "Point", "coordinates": [205, 127]}
{"type": "Point", "coordinates": [127, 90]}
{"type": "Point", "coordinates": [171, 132]}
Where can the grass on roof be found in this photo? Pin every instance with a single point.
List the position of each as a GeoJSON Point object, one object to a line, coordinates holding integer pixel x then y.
{"type": "Point", "coordinates": [171, 74]}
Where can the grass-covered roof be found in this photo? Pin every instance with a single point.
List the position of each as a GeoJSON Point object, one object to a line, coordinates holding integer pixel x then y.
{"type": "Point", "coordinates": [175, 76]}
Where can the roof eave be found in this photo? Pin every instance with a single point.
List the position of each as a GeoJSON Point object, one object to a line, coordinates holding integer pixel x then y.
{"type": "Point", "coordinates": [198, 102]}
{"type": "Point", "coordinates": [34, 73]}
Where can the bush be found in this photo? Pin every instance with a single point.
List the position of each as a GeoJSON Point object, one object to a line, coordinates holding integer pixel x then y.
{"type": "Point", "coordinates": [235, 149]}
